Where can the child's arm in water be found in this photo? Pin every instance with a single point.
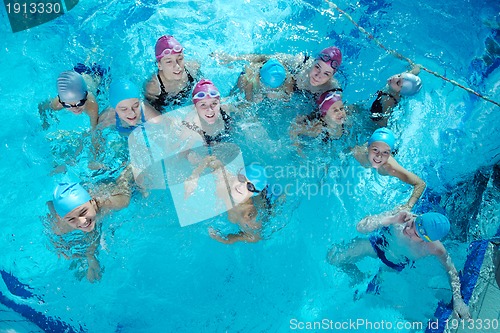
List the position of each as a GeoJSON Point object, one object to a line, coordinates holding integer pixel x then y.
{"type": "Point", "coordinates": [415, 70]}
{"type": "Point", "coordinates": [233, 238]}
{"type": "Point", "coordinates": [360, 153]}
{"type": "Point", "coordinates": [191, 183]}
{"type": "Point", "coordinates": [303, 127]}
{"type": "Point", "coordinates": [246, 83]}
{"type": "Point", "coordinates": [374, 222]}
{"type": "Point", "coordinates": [394, 169]}
{"type": "Point", "coordinates": [43, 111]}
{"type": "Point", "coordinates": [94, 268]}
{"type": "Point", "coordinates": [288, 60]}
{"type": "Point", "coordinates": [117, 196]}
{"type": "Point", "coordinates": [225, 58]}
{"type": "Point", "coordinates": [459, 305]}
{"type": "Point", "coordinates": [92, 110]}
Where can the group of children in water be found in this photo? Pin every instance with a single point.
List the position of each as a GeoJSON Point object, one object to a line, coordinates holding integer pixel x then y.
{"type": "Point", "coordinates": [397, 237]}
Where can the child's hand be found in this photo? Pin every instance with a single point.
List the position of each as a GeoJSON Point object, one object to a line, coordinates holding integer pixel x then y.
{"type": "Point", "coordinates": [193, 158]}
{"type": "Point", "coordinates": [45, 125]}
{"type": "Point", "coordinates": [94, 271]}
{"type": "Point", "coordinates": [93, 165]}
{"type": "Point", "coordinates": [189, 186]}
{"type": "Point", "coordinates": [461, 309]}
{"type": "Point", "coordinates": [214, 234]}
{"type": "Point", "coordinates": [403, 217]}
{"type": "Point", "coordinates": [211, 161]}
{"type": "Point", "coordinates": [222, 58]}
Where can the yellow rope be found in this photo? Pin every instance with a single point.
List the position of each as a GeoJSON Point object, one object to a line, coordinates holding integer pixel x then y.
{"type": "Point", "coordinates": [399, 56]}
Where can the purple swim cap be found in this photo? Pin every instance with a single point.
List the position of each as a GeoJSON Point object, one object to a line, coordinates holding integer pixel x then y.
{"type": "Point", "coordinates": [326, 100]}
{"type": "Point", "coordinates": [204, 89]}
{"type": "Point", "coordinates": [331, 55]}
{"type": "Point", "coordinates": [166, 45]}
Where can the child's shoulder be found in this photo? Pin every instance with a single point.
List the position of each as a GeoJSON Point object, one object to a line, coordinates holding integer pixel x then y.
{"type": "Point", "coordinates": [436, 248]}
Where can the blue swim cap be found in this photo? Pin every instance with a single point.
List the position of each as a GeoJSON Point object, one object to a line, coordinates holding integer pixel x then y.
{"type": "Point", "coordinates": [121, 90]}
{"type": "Point", "coordinates": [256, 174]}
{"type": "Point", "coordinates": [273, 73]}
{"type": "Point", "coordinates": [384, 135]}
{"type": "Point", "coordinates": [68, 196]}
{"type": "Point", "coordinates": [71, 87]}
{"type": "Point", "coordinates": [411, 84]}
{"type": "Point", "coordinates": [432, 226]}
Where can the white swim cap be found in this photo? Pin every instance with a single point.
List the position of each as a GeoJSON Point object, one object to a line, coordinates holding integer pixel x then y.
{"type": "Point", "coordinates": [71, 87]}
{"type": "Point", "coordinates": [411, 84]}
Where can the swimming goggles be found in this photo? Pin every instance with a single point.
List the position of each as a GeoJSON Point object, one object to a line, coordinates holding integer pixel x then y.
{"type": "Point", "coordinates": [167, 52]}
{"type": "Point", "coordinates": [326, 58]}
{"type": "Point", "coordinates": [250, 186]}
{"type": "Point", "coordinates": [328, 97]}
{"type": "Point", "coordinates": [80, 103]}
{"type": "Point", "coordinates": [421, 230]}
{"type": "Point", "coordinates": [203, 94]}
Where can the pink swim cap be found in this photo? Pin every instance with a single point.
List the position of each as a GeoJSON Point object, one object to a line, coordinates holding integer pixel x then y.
{"type": "Point", "coordinates": [326, 100]}
{"type": "Point", "coordinates": [166, 45]}
{"type": "Point", "coordinates": [204, 89]}
{"type": "Point", "coordinates": [331, 55]}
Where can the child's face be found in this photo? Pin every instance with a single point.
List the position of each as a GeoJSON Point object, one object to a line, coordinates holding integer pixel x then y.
{"type": "Point", "coordinates": [82, 217]}
{"type": "Point", "coordinates": [320, 73]}
{"type": "Point", "coordinates": [336, 112]}
{"type": "Point", "coordinates": [239, 191]}
{"type": "Point", "coordinates": [172, 66]}
{"type": "Point", "coordinates": [378, 154]}
{"type": "Point", "coordinates": [76, 109]}
{"type": "Point", "coordinates": [395, 83]}
{"type": "Point", "coordinates": [410, 231]}
{"type": "Point", "coordinates": [129, 110]}
{"type": "Point", "coordinates": [208, 109]}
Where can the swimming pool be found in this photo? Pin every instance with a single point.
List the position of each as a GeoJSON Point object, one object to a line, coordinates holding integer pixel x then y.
{"type": "Point", "coordinates": [161, 277]}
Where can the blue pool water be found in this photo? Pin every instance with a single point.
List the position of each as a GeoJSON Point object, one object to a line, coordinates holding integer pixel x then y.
{"type": "Point", "coordinates": [160, 277]}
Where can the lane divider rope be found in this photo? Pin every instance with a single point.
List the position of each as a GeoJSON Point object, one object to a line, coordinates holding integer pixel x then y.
{"type": "Point", "coordinates": [400, 56]}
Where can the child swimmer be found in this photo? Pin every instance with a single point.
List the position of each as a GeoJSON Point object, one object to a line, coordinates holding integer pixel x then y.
{"type": "Point", "coordinates": [74, 209]}
{"type": "Point", "coordinates": [377, 154]}
{"type": "Point", "coordinates": [401, 239]}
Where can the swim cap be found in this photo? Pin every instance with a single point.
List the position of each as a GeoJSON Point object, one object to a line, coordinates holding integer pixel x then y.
{"type": "Point", "coordinates": [256, 174]}
{"type": "Point", "coordinates": [166, 45]}
{"type": "Point", "coordinates": [68, 196]}
{"type": "Point", "coordinates": [121, 90]}
{"type": "Point", "coordinates": [204, 89]}
{"type": "Point", "coordinates": [411, 84]}
{"type": "Point", "coordinates": [71, 87]}
{"type": "Point", "coordinates": [432, 226]}
{"type": "Point", "coordinates": [327, 99]}
{"type": "Point", "coordinates": [331, 55]}
{"type": "Point", "coordinates": [272, 74]}
{"type": "Point", "coordinates": [384, 135]}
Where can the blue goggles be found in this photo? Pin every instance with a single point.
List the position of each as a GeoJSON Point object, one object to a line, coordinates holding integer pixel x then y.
{"type": "Point", "coordinates": [203, 94]}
